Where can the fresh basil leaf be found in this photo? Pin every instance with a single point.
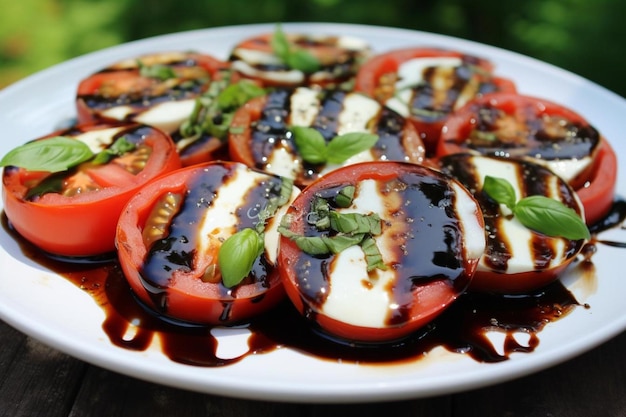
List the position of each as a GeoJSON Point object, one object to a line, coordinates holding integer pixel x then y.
{"type": "Point", "coordinates": [345, 196]}
{"type": "Point", "coordinates": [158, 71]}
{"type": "Point", "coordinates": [54, 154]}
{"type": "Point", "coordinates": [500, 190]}
{"type": "Point", "coordinates": [550, 217]}
{"type": "Point", "coordinates": [51, 184]}
{"type": "Point", "coordinates": [118, 148]}
{"type": "Point", "coordinates": [237, 94]}
{"type": "Point", "coordinates": [339, 243]}
{"type": "Point", "coordinates": [311, 144]}
{"type": "Point", "coordinates": [347, 145]}
{"type": "Point", "coordinates": [280, 43]}
{"type": "Point", "coordinates": [303, 60]}
{"type": "Point", "coordinates": [313, 245]}
{"type": "Point", "coordinates": [355, 223]}
{"type": "Point", "coordinates": [373, 257]}
{"type": "Point", "coordinates": [237, 255]}
{"type": "Point", "coordinates": [296, 58]}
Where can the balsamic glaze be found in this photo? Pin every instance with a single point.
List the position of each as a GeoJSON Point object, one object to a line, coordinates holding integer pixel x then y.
{"type": "Point", "coordinates": [462, 328]}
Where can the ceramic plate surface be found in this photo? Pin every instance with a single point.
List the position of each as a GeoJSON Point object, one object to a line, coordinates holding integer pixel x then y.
{"type": "Point", "coordinates": [46, 306]}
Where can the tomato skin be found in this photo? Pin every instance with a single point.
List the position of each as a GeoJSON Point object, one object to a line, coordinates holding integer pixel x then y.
{"type": "Point", "coordinates": [430, 298]}
{"type": "Point", "coordinates": [82, 225]}
{"type": "Point", "coordinates": [595, 185]}
{"type": "Point", "coordinates": [368, 81]}
{"type": "Point", "coordinates": [189, 299]}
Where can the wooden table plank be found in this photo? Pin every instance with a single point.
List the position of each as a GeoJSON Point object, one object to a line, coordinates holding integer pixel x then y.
{"type": "Point", "coordinates": [593, 384]}
{"type": "Point", "coordinates": [40, 381]}
{"type": "Point", "coordinates": [36, 380]}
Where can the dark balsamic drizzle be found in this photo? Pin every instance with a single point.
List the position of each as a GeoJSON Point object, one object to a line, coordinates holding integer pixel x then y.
{"type": "Point", "coordinates": [463, 328]}
{"type": "Point", "coordinates": [271, 131]}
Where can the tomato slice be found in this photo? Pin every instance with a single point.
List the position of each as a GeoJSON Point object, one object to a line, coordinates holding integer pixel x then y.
{"type": "Point", "coordinates": [516, 259]}
{"type": "Point", "coordinates": [430, 241]}
{"type": "Point", "coordinates": [427, 84]}
{"type": "Point", "coordinates": [160, 90]}
{"type": "Point", "coordinates": [261, 134]}
{"type": "Point", "coordinates": [77, 214]}
{"type": "Point", "coordinates": [339, 58]}
{"type": "Point", "coordinates": [170, 235]}
{"type": "Point", "coordinates": [548, 133]}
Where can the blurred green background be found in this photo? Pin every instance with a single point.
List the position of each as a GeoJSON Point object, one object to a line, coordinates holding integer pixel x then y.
{"type": "Point", "coordinates": [583, 36]}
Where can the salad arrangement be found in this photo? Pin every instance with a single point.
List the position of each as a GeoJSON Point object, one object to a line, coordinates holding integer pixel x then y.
{"type": "Point", "coordinates": [356, 186]}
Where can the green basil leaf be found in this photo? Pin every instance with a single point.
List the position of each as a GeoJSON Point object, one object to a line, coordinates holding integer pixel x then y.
{"type": "Point", "coordinates": [296, 58]}
{"type": "Point", "coordinates": [303, 60]}
{"type": "Point", "coordinates": [500, 190]}
{"type": "Point", "coordinates": [54, 154]}
{"type": "Point", "coordinates": [347, 145]}
{"type": "Point", "coordinates": [550, 217]}
{"type": "Point", "coordinates": [237, 94]}
{"type": "Point", "coordinates": [280, 43]}
{"type": "Point", "coordinates": [238, 254]}
{"type": "Point", "coordinates": [311, 144]}
{"type": "Point", "coordinates": [118, 148]}
{"type": "Point", "coordinates": [355, 223]}
{"type": "Point", "coordinates": [313, 245]}
{"type": "Point", "coordinates": [158, 71]}
{"type": "Point", "coordinates": [339, 243]}
{"type": "Point", "coordinates": [373, 257]}
{"type": "Point", "coordinates": [345, 196]}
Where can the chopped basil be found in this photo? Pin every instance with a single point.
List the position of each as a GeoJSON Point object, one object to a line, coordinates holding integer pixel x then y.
{"type": "Point", "coordinates": [540, 213]}
{"type": "Point", "coordinates": [118, 148]}
{"type": "Point", "coordinates": [344, 230]}
{"type": "Point", "coordinates": [213, 111]}
{"type": "Point", "coordinates": [313, 148]}
{"type": "Point", "coordinates": [159, 71]}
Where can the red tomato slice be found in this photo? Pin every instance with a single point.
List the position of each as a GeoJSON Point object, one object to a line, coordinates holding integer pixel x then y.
{"type": "Point", "coordinates": [516, 259]}
{"type": "Point", "coordinates": [79, 220]}
{"type": "Point", "coordinates": [398, 139]}
{"type": "Point", "coordinates": [377, 77]}
{"type": "Point", "coordinates": [516, 127]}
{"type": "Point", "coordinates": [339, 58]}
{"type": "Point", "coordinates": [178, 277]}
{"type": "Point", "coordinates": [121, 92]}
{"type": "Point", "coordinates": [429, 249]}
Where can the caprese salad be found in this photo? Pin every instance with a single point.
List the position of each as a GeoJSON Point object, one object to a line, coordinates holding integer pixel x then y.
{"type": "Point", "coordinates": [369, 190]}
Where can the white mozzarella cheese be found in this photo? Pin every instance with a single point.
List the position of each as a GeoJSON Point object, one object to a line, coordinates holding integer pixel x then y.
{"type": "Point", "coordinates": [518, 235]}
{"type": "Point", "coordinates": [100, 139]}
{"type": "Point", "coordinates": [568, 169]}
{"type": "Point", "coordinates": [287, 77]}
{"type": "Point", "coordinates": [284, 163]}
{"type": "Point", "coordinates": [357, 113]}
{"type": "Point", "coordinates": [167, 116]}
{"type": "Point", "coordinates": [353, 296]}
{"type": "Point", "coordinates": [304, 106]}
{"type": "Point", "coordinates": [411, 73]}
{"type": "Point", "coordinates": [220, 221]}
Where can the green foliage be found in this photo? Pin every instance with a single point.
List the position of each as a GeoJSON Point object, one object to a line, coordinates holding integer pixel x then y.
{"type": "Point", "coordinates": [583, 36]}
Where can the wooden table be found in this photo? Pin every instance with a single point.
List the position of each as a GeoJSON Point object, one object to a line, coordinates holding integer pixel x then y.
{"type": "Point", "coordinates": [39, 381]}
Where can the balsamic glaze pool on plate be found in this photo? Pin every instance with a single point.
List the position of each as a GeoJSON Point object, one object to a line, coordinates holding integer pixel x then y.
{"type": "Point", "coordinates": [462, 328]}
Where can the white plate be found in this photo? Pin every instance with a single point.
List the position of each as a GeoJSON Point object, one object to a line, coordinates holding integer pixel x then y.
{"type": "Point", "coordinates": [47, 307]}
